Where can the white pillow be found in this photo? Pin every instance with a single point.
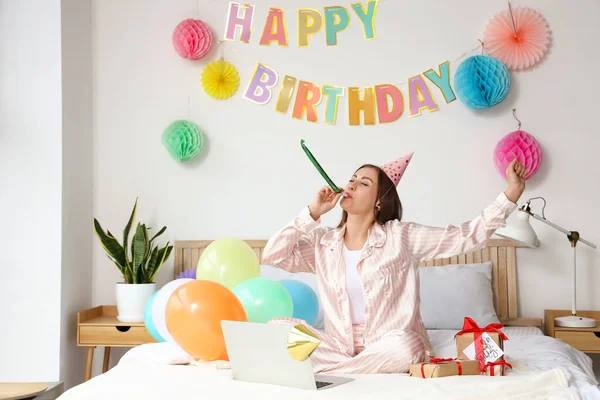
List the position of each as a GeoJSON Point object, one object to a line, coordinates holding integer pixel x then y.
{"type": "Point", "coordinates": [452, 292]}
{"type": "Point", "coordinates": [278, 274]}
{"type": "Point", "coordinates": [156, 353]}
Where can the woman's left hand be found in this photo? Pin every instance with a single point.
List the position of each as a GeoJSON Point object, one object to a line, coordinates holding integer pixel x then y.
{"type": "Point", "coordinates": [515, 174]}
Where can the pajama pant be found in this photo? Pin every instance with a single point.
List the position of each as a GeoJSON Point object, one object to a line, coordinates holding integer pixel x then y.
{"type": "Point", "coordinates": [393, 353]}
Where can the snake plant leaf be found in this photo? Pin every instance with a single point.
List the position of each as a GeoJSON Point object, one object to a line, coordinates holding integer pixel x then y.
{"type": "Point", "coordinates": [148, 246]}
{"type": "Point", "coordinates": [165, 256]}
{"type": "Point", "coordinates": [162, 256]}
{"type": "Point", "coordinates": [127, 231]}
{"type": "Point", "coordinates": [126, 270]}
{"type": "Point", "coordinates": [143, 276]}
{"type": "Point", "coordinates": [152, 262]}
{"type": "Point", "coordinates": [138, 250]}
{"type": "Point", "coordinates": [116, 263]}
{"type": "Point", "coordinates": [164, 228]}
{"type": "Point", "coordinates": [112, 247]}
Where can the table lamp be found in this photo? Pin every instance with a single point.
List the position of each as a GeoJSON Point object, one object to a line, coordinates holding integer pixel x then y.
{"type": "Point", "coordinates": [521, 231]}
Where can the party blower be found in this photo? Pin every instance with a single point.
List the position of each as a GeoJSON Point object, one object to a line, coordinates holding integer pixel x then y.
{"type": "Point", "coordinates": [320, 169]}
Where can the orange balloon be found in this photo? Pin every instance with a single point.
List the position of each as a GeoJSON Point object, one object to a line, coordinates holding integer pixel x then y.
{"type": "Point", "coordinates": [194, 314]}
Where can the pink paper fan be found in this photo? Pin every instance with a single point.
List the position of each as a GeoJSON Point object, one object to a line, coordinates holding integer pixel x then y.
{"type": "Point", "coordinates": [520, 40]}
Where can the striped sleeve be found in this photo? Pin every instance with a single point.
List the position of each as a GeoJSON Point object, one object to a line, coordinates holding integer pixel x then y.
{"type": "Point", "coordinates": [293, 247]}
{"type": "Point", "coordinates": [427, 242]}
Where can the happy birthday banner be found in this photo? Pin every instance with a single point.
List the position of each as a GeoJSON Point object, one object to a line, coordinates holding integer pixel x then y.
{"type": "Point", "coordinates": [385, 100]}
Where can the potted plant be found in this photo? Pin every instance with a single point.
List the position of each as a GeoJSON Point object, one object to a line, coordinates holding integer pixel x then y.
{"type": "Point", "coordinates": [139, 270]}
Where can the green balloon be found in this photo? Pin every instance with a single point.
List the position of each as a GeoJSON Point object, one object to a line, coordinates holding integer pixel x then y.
{"type": "Point", "coordinates": [228, 261]}
{"type": "Point", "coordinates": [264, 299]}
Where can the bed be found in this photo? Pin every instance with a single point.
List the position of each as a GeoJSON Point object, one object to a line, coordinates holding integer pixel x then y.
{"type": "Point", "coordinates": [543, 367]}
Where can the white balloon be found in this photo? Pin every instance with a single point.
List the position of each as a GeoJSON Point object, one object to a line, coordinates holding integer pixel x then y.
{"type": "Point", "coordinates": [159, 307]}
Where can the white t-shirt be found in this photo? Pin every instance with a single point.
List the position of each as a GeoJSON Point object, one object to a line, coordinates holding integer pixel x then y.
{"type": "Point", "coordinates": [354, 287]}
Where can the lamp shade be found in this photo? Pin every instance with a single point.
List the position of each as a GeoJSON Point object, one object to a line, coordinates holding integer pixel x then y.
{"type": "Point", "coordinates": [519, 230]}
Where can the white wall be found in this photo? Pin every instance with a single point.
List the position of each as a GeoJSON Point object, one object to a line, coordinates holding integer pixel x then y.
{"type": "Point", "coordinates": [253, 177]}
{"type": "Point", "coordinates": [46, 180]}
{"type": "Point", "coordinates": [77, 211]}
{"type": "Point", "coordinates": [30, 194]}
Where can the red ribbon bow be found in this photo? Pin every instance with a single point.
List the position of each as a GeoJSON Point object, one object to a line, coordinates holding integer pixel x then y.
{"type": "Point", "coordinates": [503, 363]}
{"type": "Point", "coordinates": [440, 361]}
{"type": "Point", "coordinates": [471, 326]}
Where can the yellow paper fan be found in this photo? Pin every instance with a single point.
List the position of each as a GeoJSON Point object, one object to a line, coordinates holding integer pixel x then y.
{"type": "Point", "coordinates": [220, 79]}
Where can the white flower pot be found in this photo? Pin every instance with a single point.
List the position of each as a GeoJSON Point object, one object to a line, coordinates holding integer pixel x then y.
{"type": "Point", "coordinates": [131, 300]}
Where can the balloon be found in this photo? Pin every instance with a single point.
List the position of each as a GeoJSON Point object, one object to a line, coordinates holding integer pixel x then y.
{"type": "Point", "coordinates": [306, 302]}
{"type": "Point", "coordinates": [148, 319]}
{"type": "Point", "coordinates": [194, 314]}
{"type": "Point", "coordinates": [264, 299]}
{"type": "Point", "coordinates": [160, 305]}
{"type": "Point", "coordinates": [229, 262]}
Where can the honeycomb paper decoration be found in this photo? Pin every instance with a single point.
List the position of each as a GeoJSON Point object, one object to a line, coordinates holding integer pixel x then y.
{"type": "Point", "coordinates": [192, 39]}
{"type": "Point", "coordinates": [482, 82]}
{"type": "Point", "coordinates": [183, 139]}
{"type": "Point", "coordinates": [522, 146]}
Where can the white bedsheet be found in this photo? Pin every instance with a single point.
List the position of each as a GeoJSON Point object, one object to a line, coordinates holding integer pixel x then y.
{"type": "Point", "coordinates": [544, 368]}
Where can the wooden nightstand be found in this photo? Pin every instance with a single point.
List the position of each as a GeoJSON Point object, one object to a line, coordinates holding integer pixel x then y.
{"type": "Point", "coordinates": [99, 326]}
{"type": "Point", "coordinates": [31, 390]}
{"type": "Point", "coordinates": [584, 339]}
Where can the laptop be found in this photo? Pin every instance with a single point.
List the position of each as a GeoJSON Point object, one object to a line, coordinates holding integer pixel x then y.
{"type": "Point", "coordinates": [258, 353]}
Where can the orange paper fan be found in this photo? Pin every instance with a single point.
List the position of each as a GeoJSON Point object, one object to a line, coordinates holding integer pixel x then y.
{"type": "Point", "coordinates": [518, 37]}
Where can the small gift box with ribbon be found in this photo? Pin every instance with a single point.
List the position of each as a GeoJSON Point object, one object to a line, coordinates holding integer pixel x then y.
{"type": "Point", "coordinates": [497, 368]}
{"type": "Point", "coordinates": [483, 344]}
{"type": "Point", "coordinates": [440, 367]}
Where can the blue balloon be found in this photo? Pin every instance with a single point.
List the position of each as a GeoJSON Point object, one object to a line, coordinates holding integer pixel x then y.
{"type": "Point", "coordinates": [148, 319]}
{"type": "Point", "coordinates": [306, 302]}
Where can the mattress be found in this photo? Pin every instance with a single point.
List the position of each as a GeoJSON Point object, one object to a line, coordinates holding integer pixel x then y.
{"type": "Point", "coordinates": [544, 367]}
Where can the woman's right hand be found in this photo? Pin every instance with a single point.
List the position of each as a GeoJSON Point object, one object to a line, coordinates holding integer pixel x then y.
{"type": "Point", "coordinates": [324, 202]}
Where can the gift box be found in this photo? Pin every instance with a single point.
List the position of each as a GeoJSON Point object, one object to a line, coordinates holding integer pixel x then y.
{"type": "Point", "coordinates": [483, 344]}
{"type": "Point", "coordinates": [440, 367]}
{"type": "Point", "coordinates": [497, 368]}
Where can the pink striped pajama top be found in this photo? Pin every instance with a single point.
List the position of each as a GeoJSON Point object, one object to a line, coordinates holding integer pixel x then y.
{"type": "Point", "coordinates": [387, 269]}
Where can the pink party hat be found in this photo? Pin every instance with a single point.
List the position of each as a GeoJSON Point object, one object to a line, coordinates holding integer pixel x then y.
{"type": "Point", "coordinates": [396, 168]}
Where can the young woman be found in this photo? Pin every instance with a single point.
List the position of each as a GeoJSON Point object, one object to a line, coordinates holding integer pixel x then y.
{"type": "Point", "coordinates": [367, 267]}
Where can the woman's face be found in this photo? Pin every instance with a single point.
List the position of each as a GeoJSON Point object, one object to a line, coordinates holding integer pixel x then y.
{"type": "Point", "coordinates": [362, 192]}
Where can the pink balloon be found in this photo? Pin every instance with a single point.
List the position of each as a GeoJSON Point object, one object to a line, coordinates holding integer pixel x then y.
{"type": "Point", "coordinates": [522, 146]}
{"type": "Point", "coordinates": [192, 39]}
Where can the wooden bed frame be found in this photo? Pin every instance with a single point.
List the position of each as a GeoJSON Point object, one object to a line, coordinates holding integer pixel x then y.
{"type": "Point", "coordinates": [501, 252]}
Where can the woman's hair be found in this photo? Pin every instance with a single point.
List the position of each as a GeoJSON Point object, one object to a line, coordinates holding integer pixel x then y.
{"type": "Point", "coordinates": [391, 207]}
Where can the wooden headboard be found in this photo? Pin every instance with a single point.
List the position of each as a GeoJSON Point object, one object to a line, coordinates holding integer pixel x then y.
{"type": "Point", "coordinates": [501, 252]}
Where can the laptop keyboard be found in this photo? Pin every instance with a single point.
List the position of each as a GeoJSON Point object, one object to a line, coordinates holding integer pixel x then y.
{"type": "Point", "coordinates": [323, 384]}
